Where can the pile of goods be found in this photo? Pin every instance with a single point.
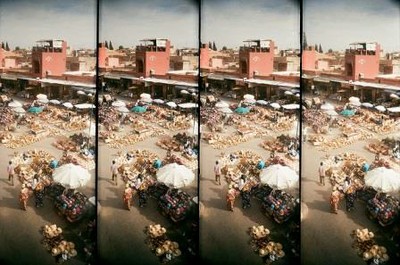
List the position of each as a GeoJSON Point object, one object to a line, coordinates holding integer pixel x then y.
{"type": "Point", "coordinates": [369, 119]}
{"type": "Point", "coordinates": [29, 163]}
{"type": "Point", "coordinates": [261, 243]}
{"type": "Point", "coordinates": [384, 147]}
{"type": "Point", "coordinates": [280, 144]}
{"type": "Point", "coordinates": [365, 244]}
{"type": "Point", "coordinates": [158, 242]}
{"type": "Point", "coordinates": [279, 205]}
{"type": "Point", "coordinates": [285, 123]}
{"type": "Point", "coordinates": [316, 119]}
{"type": "Point", "coordinates": [73, 143]}
{"type": "Point", "coordinates": [179, 122]}
{"type": "Point", "coordinates": [75, 123]}
{"type": "Point", "coordinates": [6, 137]}
{"type": "Point", "coordinates": [54, 242]}
{"type": "Point", "coordinates": [220, 141]}
{"type": "Point", "coordinates": [169, 143]}
{"type": "Point", "coordinates": [6, 117]}
{"type": "Point", "coordinates": [117, 141]}
{"type": "Point", "coordinates": [176, 204]}
{"type": "Point", "coordinates": [108, 116]}
{"type": "Point", "coordinates": [340, 166]}
{"type": "Point", "coordinates": [384, 208]}
{"type": "Point", "coordinates": [212, 118]}
{"type": "Point", "coordinates": [72, 205]}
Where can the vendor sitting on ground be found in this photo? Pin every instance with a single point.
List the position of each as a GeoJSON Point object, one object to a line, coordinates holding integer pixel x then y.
{"type": "Point", "coordinates": [127, 197]}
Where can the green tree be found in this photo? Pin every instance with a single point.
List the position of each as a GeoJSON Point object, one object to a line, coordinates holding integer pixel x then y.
{"type": "Point", "coordinates": [224, 48]}
{"type": "Point", "coordinates": [120, 47]}
{"type": "Point", "coordinates": [316, 47]}
{"type": "Point", "coordinates": [17, 48]}
{"type": "Point", "coordinates": [106, 44]}
{"type": "Point", "coordinates": [210, 45]}
{"type": "Point", "coordinates": [110, 46]}
{"type": "Point", "coordinates": [7, 48]}
{"type": "Point", "coordinates": [2, 45]}
{"type": "Point", "coordinates": [320, 49]}
{"type": "Point", "coordinates": [305, 44]}
{"type": "Point", "coordinates": [214, 47]}
{"type": "Point", "coordinates": [330, 51]}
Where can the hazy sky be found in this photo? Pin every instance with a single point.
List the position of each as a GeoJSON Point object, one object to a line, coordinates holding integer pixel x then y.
{"type": "Point", "coordinates": [230, 22]}
{"type": "Point", "coordinates": [23, 22]}
{"type": "Point", "coordinates": [335, 24]}
{"type": "Point", "coordinates": [125, 22]}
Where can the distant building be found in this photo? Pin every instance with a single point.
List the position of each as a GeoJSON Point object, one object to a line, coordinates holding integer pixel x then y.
{"type": "Point", "coordinates": [256, 58]}
{"type": "Point", "coordinates": [362, 60]}
{"type": "Point", "coordinates": [49, 58]}
{"type": "Point", "coordinates": [153, 57]}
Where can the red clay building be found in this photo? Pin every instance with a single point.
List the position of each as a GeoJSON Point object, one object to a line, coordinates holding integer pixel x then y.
{"type": "Point", "coordinates": [362, 60]}
{"type": "Point", "coordinates": [49, 58]}
{"type": "Point", "coordinates": [153, 57]}
{"type": "Point", "coordinates": [256, 58]}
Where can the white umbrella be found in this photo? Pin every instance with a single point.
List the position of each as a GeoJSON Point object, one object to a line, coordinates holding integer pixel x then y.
{"type": "Point", "coordinates": [248, 96]}
{"type": "Point", "coordinates": [394, 109]}
{"type": "Point", "coordinates": [194, 94]}
{"type": "Point", "coordinates": [147, 100]}
{"type": "Point", "coordinates": [291, 106]}
{"type": "Point", "coordinates": [54, 101]}
{"type": "Point", "coordinates": [158, 101]}
{"type": "Point", "coordinates": [44, 101]}
{"type": "Point", "coordinates": [225, 110]}
{"type": "Point", "coordinates": [41, 96]}
{"type": "Point", "coordinates": [71, 176]}
{"type": "Point", "coordinates": [118, 103]}
{"type": "Point", "coordinates": [188, 105]}
{"type": "Point", "coordinates": [15, 104]}
{"type": "Point", "coordinates": [68, 105]}
{"type": "Point", "coordinates": [394, 96]}
{"type": "Point", "coordinates": [175, 176]}
{"type": "Point", "coordinates": [145, 95]}
{"type": "Point", "coordinates": [288, 93]}
{"type": "Point", "coordinates": [327, 106]}
{"type": "Point", "coordinates": [183, 91]}
{"type": "Point", "coordinates": [85, 106]}
{"type": "Point", "coordinates": [19, 110]}
{"type": "Point", "coordinates": [275, 105]}
{"type": "Point", "coordinates": [262, 102]}
{"type": "Point", "coordinates": [380, 108]}
{"type": "Point", "coordinates": [171, 104]}
{"type": "Point", "coordinates": [367, 104]}
{"type": "Point", "coordinates": [123, 109]}
{"type": "Point", "coordinates": [250, 100]}
{"type": "Point", "coordinates": [355, 103]}
{"type": "Point", "coordinates": [279, 177]}
{"type": "Point", "coordinates": [383, 179]}
{"type": "Point", "coordinates": [80, 92]}
{"type": "Point", "coordinates": [221, 104]}
{"type": "Point", "coordinates": [354, 99]}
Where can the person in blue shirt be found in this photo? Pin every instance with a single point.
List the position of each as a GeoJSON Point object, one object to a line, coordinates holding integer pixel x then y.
{"type": "Point", "coordinates": [365, 167]}
{"type": "Point", "coordinates": [53, 163]}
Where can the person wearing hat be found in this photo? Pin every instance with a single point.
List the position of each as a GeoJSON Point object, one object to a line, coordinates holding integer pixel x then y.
{"type": "Point", "coordinates": [322, 172]}
{"type": "Point", "coordinates": [114, 172]}
{"type": "Point", "coordinates": [334, 201]}
{"type": "Point", "coordinates": [11, 172]}
{"type": "Point", "coordinates": [217, 172]}
{"type": "Point", "coordinates": [24, 196]}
